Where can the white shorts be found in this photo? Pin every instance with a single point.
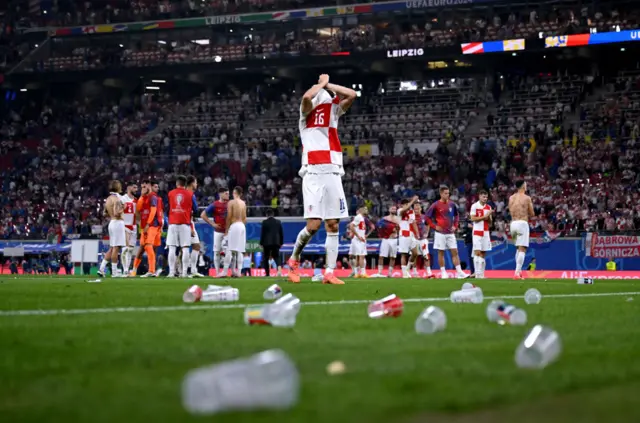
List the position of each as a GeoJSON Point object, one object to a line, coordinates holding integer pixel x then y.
{"type": "Point", "coordinates": [117, 235]}
{"type": "Point", "coordinates": [237, 237]}
{"type": "Point", "coordinates": [195, 239]}
{"type": "Point", "coordinates": [520, 233]}
{"type": "Point", "coordinates": [358, 248]}
{"type": "Point", "coordinates": [389, 248]}
{"type": "Point", "coordinates": [482, 243]}
{"type": "Point", "coordinates": [179, 236]}
{"type": "Point", "coordinates": [444, 242]}
{"type": "Point", "coordinates": [130, 238]}
{"type": "Point", "coordinates": [406, 244]}
{"type": "Point", "coordinates": [323, 196]}
{"type": "Point", "coordinates": [219, 242]}
{"type": "Point", "coordinates": [423, 248]}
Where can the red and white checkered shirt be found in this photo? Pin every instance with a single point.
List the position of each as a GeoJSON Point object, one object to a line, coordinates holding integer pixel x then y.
{"type": "Point", "coordinates": [321, 149]}
{"type": "Point", "coordinates": [481, 227]}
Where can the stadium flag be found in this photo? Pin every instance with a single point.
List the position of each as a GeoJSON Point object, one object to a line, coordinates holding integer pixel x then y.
{"type": "Point", "coordinates": [612, 246]}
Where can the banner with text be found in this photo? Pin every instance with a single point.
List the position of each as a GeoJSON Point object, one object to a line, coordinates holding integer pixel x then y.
{"type": "Point", "coordinates": [284, 15]}
{"type": "Point", "coordinates": [612, 246]}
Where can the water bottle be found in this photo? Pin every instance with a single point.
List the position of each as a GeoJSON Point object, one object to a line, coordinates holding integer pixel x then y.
{"type": "Point", "coordinates": [473, 295]}
{"type": "Point", "coordinates": [500, 312]}
{"type": "Point", "coordinates": [226, 294]}
{"type": "Point", "coordinates": [539, 348]}
{"type": "Point", "coordinates": [468, 285]}
{"type": "Point", "coordinates": [268, 380]}
{"type": "Point", "coordinates": [585, 281]}
{"type": "Point", "coordinates": [532, 296]}
{"type": "Point", "coordinates": [431, 320]}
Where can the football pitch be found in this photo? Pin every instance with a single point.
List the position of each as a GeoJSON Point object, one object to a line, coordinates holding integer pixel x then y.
{"type": "Point", "coordinates": [117, 351]}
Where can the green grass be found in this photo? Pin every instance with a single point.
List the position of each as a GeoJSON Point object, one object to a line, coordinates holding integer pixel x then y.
{"type": "Point", "coordinates": [128, 366]}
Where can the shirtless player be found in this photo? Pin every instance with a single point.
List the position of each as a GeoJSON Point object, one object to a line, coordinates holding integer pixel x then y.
{"type": "Point", "coordinates": [236, 233]}
{"type": "Point", "coordinates": [114, 208]}
{"type": "Point", "coordinates": [521, 209]}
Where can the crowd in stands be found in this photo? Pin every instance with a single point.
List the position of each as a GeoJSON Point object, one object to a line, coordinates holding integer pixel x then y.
{"type": "Point", "coordinates": [580, 160]}
{"type": "Point", "coordinates": [445, 31]}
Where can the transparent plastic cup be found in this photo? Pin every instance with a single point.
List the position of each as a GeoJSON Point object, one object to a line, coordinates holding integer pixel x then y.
{"type": "Point", "coordinates": [215, 287]}
{"type": "Point", "coordinates": [468, 285]}
{"type": "Point", "coordinates": [532, 296]}
{"type": "Point", "coordinates": [431, 320]}
{"type": "Point", "coordinates": [288, 300]}
{"type": "Point", "coordinates": [390, 306]}
{"type": "Point", "coordinates": [585, 281]}
{"type": "Point", "coordinates": [281, 315]}
{"type": "Point", "coordinates": [473, 296]}
{"type": "Point", "coordinates": [501, 312]}
{"type": "Point", "coordinates": [192, 295]}
{"type": "Point", "coordinates": [255, 315]}
{"type": "Point", "coordinates": [272, 293]}
{"type": "Point", "coordinates": [539, 348]}
{"type": "Point", "coordinates": [268, 380]}
{"type": "Point", "coordinates": [221, 295]}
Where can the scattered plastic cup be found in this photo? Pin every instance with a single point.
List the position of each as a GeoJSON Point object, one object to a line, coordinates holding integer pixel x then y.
{"type": "Point", "coordinates": [468, 285]}
{"type": "Point", "coordinates": [272, 293]}
{"type": "Point", "coordinates": [532, 296]}
{"type": "Point", "coordinates": [268, 380]}
{"type": "Point", "coordinates": [501, 312]}
{"type": "Point", "coordinates": [192, 295]}
{"type": "Point", "coordinates": [473, 296]}
{"type": "Point", "coordinates": [94, 280]}
{"type": "Point", "coordinates": [390, 306]}
{"type": "Point", "coordinates": [221, 295]}
{"type": "Point", "coordinates": [585, 281]}
{"type": "Point", "coordinates": [431, 320]}
{"type": "Point", "coordinates": [215, 287]}
{"type": "Point", "coordinates": [255, 315]}
{"type": "Point", "coordinates": [539, 348]}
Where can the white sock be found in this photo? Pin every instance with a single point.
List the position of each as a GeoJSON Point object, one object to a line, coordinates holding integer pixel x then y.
{"type": "Point", "coordinates": [483, 263]}
{"type": "Point", "coordinates": [429, 270]}
{"type": "Point", "coordinates": [459, 269]}
{"type": "Point", "coordinates": [239, 259]}
{"type": "Point", "coordinates": [114, 269]}
{"type": "Point", "coordinates": [301, 241]}
{"type": "Point", "coordinates": [380, 268]}
{"type": "Point", "coordinates": [476, 264]}
{"type": "Point", "coordinates": [357, 270]}
{"type": "Point", "coordinates": [390, 269]}
{"type": "Point", "coordinates": [103, 265]}
{"type": "Point", "coordinates": [228, 256]}
{"type": "Point", "coordinates": [404, 269]}
{"type": "Point", "coordinates": [194, 261]}
{"type": "Point", "coordinates": [126, 259]}
{"type": "Point", "coordinates": [331, 245]}
{"type": "Point", "coordinates": [216, 261]}
{"type": "Point", "coordinates": [443, 273]}
{"type": "Point", "coordinates": [185, 261]}
{"type": "Point", "coordinates": [519, 261]}
{"type": "Point", "coordinates": [172, 261]}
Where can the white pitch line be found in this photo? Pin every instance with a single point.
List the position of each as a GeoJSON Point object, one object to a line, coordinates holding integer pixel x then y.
{"type": "Point", "coordinates": [7, 313]}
